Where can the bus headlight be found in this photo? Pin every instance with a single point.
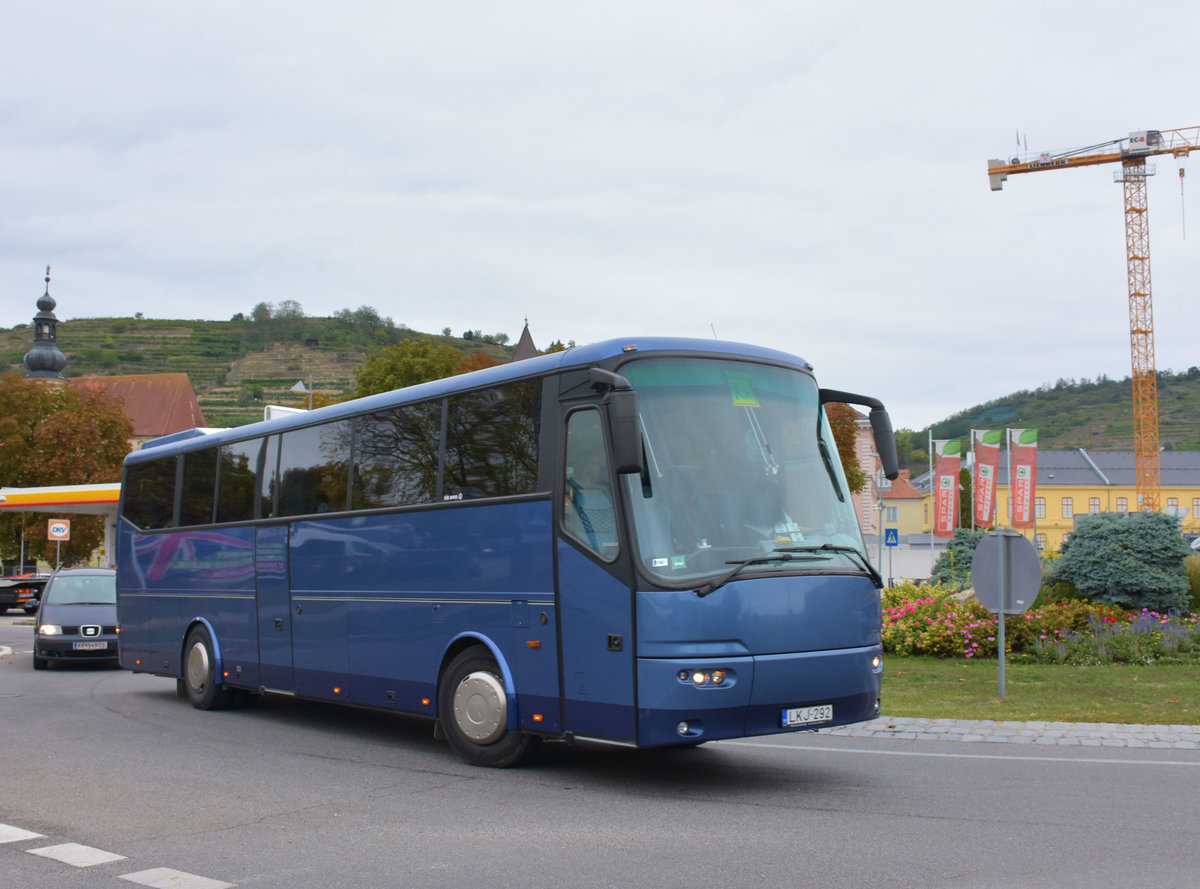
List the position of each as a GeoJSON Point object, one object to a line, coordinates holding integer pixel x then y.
{"type": "Point", "coordinates": [703, 678]}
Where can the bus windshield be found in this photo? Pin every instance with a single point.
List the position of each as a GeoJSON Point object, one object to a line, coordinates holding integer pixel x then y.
{"type": "Point", "coordinates": [740, 463]}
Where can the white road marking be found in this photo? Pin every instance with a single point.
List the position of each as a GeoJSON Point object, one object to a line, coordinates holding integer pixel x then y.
{"type": "Point", "coordinates": [10, 834]}
{"type": "Point", "coordinates": [76, 855]}
{"type": "Point", "coordinates": [165, 878]}
{"type": "Point", "coordinates": [1031, 758]}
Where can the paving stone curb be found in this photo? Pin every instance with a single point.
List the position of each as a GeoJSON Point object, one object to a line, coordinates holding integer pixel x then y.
{"type": "Point", "coordinates": [1065, 734]}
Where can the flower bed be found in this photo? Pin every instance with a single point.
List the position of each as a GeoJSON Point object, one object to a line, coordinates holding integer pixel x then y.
{"type": "Point", "coordinates": [933, 621]}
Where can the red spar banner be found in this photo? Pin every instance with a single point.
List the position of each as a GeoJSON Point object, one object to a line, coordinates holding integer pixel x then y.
{"type": "Point", "coordinates": [945, 487]}
{"type": "Point", "coordinates": [987, 462]}
{"type": "Point", "coordinates": [1022, 452]}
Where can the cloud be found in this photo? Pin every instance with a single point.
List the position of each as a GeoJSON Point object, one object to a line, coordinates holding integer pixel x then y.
{"type": "Point", "coordinates": [810, 177]}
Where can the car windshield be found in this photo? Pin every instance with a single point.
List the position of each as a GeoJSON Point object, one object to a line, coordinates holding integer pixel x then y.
{"type": "Point", "coordinates": [82, 589]}
{"type": "Point", "coordinates": [740, 464]}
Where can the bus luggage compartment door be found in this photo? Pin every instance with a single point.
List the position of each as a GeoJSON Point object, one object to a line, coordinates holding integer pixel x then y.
{"type": "Point", "coordinates": [274, 609]}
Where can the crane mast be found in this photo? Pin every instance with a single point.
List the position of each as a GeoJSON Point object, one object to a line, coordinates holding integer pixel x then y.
{"type": "Point", "coordinates": [1131, 153]}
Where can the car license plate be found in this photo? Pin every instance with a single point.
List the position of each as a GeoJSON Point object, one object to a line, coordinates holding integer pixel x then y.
{"type": "Point", "coordinates": [808, 715]}
{"type": "Point", "coordinates": [91, 646]}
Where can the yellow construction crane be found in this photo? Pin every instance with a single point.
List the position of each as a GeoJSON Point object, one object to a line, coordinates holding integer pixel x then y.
{"type": "Point", "coordinates": [1131, 154]}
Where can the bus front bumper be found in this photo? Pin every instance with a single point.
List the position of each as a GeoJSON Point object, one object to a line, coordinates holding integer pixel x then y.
{"type": "Point", "coordinates": [690, 700]}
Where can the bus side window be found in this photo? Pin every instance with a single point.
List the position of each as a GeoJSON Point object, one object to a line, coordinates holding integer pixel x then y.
{"type": "Point", "coordinates": [588, 514]}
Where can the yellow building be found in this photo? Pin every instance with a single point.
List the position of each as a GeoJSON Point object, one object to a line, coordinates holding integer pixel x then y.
{"type": "Point", "coordinates": [1071, 484]}
{"type": "Point", "coordinates": [904, 507]}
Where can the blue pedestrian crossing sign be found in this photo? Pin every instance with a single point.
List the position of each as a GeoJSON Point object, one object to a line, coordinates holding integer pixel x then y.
{"type": "Point", "coordinates": [891, 537]}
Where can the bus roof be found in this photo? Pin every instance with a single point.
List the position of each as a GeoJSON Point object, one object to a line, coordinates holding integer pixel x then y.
{"type": "Point", "coordinates": [577, 356]}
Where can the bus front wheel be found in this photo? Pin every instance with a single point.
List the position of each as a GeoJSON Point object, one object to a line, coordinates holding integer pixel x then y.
{"type": "Point", "coordinates": [200, 673]}
{"type": "Point", "coordinates": [473, 708]}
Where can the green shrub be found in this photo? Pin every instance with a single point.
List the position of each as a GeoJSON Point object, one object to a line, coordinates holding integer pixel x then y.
{"type": "Point", "coordinates": [1135, 560]}
{"type": "Point", "coordinates": [1191, 564]}
{"type": "Point", "coordinates": [953, 567]}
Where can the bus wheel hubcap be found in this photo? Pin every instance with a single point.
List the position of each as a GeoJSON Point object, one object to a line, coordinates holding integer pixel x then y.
{"type": "Point", "coordinates": [480, 708]}
{"type": "Point", "coordinates": [197, 667]}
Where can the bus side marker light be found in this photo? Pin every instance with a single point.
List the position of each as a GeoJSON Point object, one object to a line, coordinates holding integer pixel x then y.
{"type": "Point", "coordinates": [337, 689]}
{"type": "Point", "coordinates": [425, 702]}
{"type": "Point", "coordinates": [533, 643]}
{"type": "Point", "coordinates": [537, 717]}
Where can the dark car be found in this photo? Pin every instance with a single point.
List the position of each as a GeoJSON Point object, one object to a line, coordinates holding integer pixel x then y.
{"type": "Point", "coordinates": [77, 618]}
{"type": "Point", "coordinates": [21, 591]}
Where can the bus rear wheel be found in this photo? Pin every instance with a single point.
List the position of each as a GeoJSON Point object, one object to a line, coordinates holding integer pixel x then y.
{"type": "Point", "coordinates": [200, 673]}
{"type": "Point", "coordinates": [473, 708]}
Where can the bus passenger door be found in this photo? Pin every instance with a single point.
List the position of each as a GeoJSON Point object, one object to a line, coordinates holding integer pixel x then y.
{"type": "Point", "coordinates": [274, 609]}
{"type": "Point", "coordinates": [595, 608]}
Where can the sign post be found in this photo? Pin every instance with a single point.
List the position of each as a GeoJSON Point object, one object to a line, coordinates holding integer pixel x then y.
{"type": "Point", "coordinates": [1006, 573]}
{"type": "Point", "coordinates": [891, 539]}
{"type": "Point", "coordinates": [58, 530]}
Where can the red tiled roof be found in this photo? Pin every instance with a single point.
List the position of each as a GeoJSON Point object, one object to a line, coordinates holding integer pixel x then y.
{"type": "Point", "coordinates": [158, 404]}
{"type": "Point", "coordinates": [901, 489]}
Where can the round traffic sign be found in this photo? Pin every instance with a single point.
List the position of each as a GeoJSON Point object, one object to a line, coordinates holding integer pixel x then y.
{"type": "Point", "coordinates": [1007, 566]}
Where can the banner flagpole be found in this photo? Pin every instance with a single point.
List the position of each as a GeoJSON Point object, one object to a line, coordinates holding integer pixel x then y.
{"type": "Point", "coordinates": [932, 502]}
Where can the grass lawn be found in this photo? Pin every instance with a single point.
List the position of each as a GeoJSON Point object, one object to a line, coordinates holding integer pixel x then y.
{"type": "Point", "coordinates": [969, 689]}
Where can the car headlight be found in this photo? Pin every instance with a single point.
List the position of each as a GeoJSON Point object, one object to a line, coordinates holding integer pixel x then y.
{"type": "Point", "coordinates": [50, 630]}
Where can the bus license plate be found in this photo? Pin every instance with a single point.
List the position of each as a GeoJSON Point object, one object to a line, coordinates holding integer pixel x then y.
{"type": "Point", "coordinates": [91, 646]}
{"type": "Point", "coordinates": [807, 715]}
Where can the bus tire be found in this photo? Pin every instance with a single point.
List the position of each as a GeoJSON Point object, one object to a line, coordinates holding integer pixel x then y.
{"type": "Point", "coordinates": [200, 673]}
{"type": "Point", "coordinates": [473, 708]}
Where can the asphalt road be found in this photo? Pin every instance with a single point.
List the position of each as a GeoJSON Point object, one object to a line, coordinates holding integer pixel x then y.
{"type": "Point", "coordinates": [294, 794]}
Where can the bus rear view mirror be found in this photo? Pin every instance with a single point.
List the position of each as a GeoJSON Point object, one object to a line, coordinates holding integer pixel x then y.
{"type": "Point", "coordinates": [881, 426]}
{"type": "Point", "coordinates": [621, 402]}
{"type": "Point", "coordinates": [626, 430]}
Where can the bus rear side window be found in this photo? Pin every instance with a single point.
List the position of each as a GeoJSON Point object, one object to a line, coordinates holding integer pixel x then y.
{"type": "Point", "coordinates": [199, 487]}
{"type": "Point", "coordinates": [314, 469]}
{"type": "Point", "coordinates": [149, 493]}
{"type": "Point", "coordinates": [238, 481]}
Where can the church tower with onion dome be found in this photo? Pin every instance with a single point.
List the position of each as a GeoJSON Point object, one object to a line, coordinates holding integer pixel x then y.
{"type": "Point", "coordinates": [45, 360]}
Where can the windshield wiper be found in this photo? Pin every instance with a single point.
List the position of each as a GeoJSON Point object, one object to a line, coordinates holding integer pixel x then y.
{"type": "Point", "coordinates": [834, 548]}
{"type": "Point", "coordinates": [779, 555]}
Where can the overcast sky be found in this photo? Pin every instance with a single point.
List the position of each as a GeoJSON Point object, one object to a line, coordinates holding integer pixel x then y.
{"type": "Point", "coordinates": [807, 176]}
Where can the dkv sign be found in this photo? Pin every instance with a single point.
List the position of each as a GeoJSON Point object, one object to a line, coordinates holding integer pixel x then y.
{"type": "Point", "coordinates": [59, 529]}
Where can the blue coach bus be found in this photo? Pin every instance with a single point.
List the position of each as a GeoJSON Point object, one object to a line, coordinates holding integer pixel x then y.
{"type": "Point", "coordinates": [643, 542]}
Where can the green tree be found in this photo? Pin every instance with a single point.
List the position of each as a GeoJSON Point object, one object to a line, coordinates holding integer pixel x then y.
{"type": "Point", "coordinates": [405, 364]}
{"type": "Point", "coordinates": [57, 435]}
{"type": "Point", "coordinates": [966, 498]}
{"type": "Point", "coordinates": [953, 567]}
{"type": "Point", "coordinates": [1135, 560]}
{"type": "Point", "coordinates": [912, 452]}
